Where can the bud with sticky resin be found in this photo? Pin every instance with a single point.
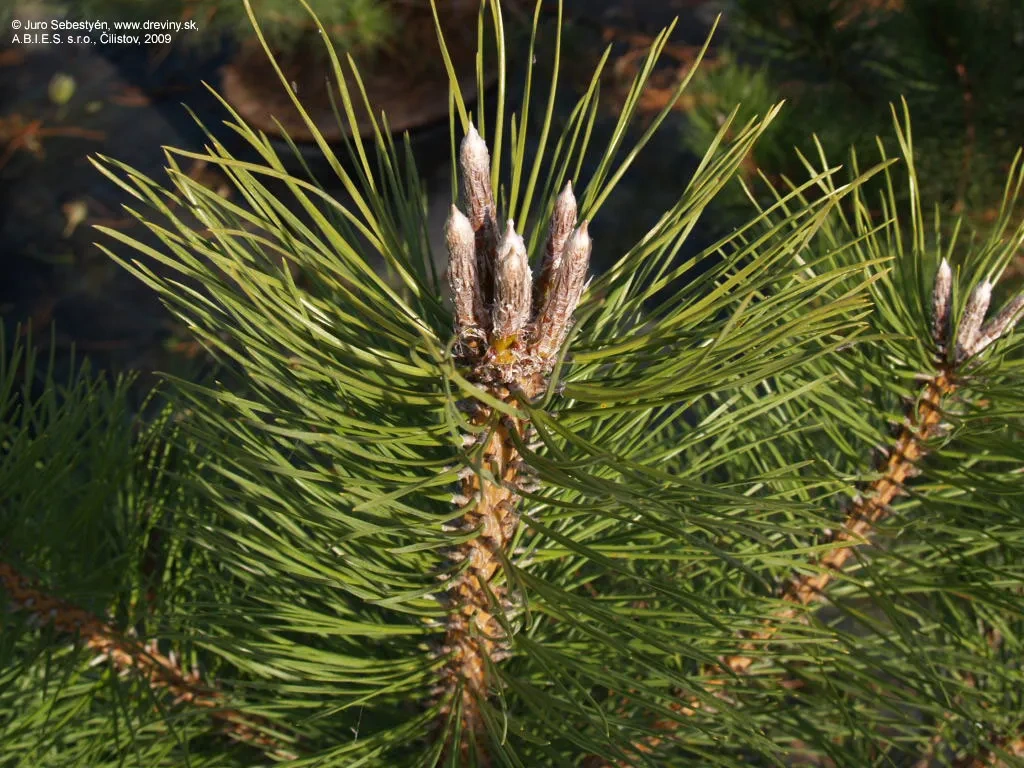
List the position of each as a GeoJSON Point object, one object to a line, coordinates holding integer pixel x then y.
{"type": "Point", "coordinates": [1000, 325]}
{"type": "Point", "coordinates": [563, 220]}
{"type": "Point", "coordinates": [475, 168]}
{"type": "Point", "coordinates": [563, 295]}
{"type": "Point", "coordinates": [941, 299]}
{"type": "Point", "coordinates": [970, 323]}
{"type": "Point", "coordinates": [512, 287]}
{"type": "Point", "coordinates": [463, 276]}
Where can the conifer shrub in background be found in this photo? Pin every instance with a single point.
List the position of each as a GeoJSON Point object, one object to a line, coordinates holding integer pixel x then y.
{"type": "Point", "coordinates": [756, 506]}
{"type": "Point", "coordinates": [840, 63]}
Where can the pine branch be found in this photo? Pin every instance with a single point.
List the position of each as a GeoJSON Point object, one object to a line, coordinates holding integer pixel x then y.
{"type": "Point", "coordinates": [923, 422]}
{"type": "Point", "coordinates": [508, 331]}
{"type": "Point", "coordinates": [342, 416]}
{"type": "Point", "coordinates": [867, 512]}
{"type": "Point", "coordinates": [160, 672]}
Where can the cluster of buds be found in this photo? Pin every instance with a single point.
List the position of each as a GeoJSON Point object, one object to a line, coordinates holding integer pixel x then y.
{"type": "Point", "coordinates": [509, 326]}
{"type": "Point", "coordinates": [972, 335]}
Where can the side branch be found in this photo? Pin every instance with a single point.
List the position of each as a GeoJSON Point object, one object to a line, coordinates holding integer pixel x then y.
{"type": "Point", "coordinates": [128, 655]}
{"type": "Point", "coordinates": [867, 512]}
{"type": "Point", "coordinates": [923, 422]}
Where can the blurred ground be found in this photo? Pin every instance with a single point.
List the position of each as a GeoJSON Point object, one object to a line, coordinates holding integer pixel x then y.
{"type": "Point", "coordinates": [59, 104]}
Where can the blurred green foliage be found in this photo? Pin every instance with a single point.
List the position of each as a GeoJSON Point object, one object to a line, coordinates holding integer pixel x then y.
{"type": "Point", "coordinates": [357, 25]}
{"type": "Point", "coordinates": [839, 64]}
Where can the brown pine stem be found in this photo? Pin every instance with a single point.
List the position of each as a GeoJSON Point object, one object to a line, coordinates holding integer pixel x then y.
{"type": "Point", "coordinates": [923, 422]}
{"type": "Point", "coordinates": [474, 637]}
{"type": "Point", "coordinates": [127, 654]}
{"type": "Point", "coordinates": [867, 512]}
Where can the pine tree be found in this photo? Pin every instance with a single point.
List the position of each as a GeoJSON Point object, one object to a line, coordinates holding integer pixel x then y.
{"type": "Point", "coordinates": [757, 506]}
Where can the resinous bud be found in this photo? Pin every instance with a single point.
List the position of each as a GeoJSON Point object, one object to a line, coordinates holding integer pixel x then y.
{"type": "Point", "coordinates": [563, 220]}
{"type": "Point", "coordinates": [463, 278]}
{"type": "Point", "coordinates": [512, 288]}
{"type": "Point", "coordinates": [563, 294]}
{"type": "Point", "coordinates": [941, 299]}
{"type": "Point", "coordinates": [475, 168]}
{"type": "Point", "coordinates": [1002, 324]}
{"type": "Point", "coordinates": [970, 323]}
